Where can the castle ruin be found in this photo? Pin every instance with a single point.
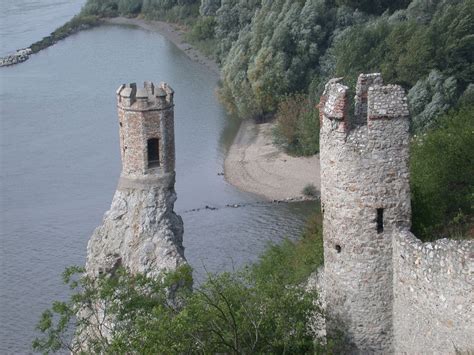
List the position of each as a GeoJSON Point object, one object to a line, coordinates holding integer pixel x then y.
{"type": "Point", "coordinates": [388, 291]}
{"type": "Point", "coordinates": [141, 231]}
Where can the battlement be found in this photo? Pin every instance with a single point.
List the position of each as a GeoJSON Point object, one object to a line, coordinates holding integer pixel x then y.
{"type": "Point", "coordinates": [387, 102]}
{"type": "Point", "coordinates": [148, 98]}
{"type": "Point", "coordinates": [372, 101]}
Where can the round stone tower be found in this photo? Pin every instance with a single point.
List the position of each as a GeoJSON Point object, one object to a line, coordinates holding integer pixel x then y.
{"type": "Point", "coordinates": [365, 198]}
{"type": "Point", "coordinates": [141, 231]}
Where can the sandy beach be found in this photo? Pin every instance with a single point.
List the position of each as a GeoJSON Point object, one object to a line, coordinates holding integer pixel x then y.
{"type": "Point", "coordinates": [256, 165]}
{"type": "Point", "coordinates": [253, 163]}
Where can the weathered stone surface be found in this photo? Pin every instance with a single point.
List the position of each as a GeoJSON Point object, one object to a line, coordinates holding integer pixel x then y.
{"type": "Point", "coordinates": [318, 321]}
{"type": "Point", "coordinates": [433, 295]}
{"type": "Point", "coordinates": [140, 231]}
{"type": "Point", "coordinates": [388, 291]}
{"type": "Point", "coordinates": [364, 168]}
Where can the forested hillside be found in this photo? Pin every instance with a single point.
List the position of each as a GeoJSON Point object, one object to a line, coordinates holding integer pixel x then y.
{"type": "Point", "coordinates": [276, 56]}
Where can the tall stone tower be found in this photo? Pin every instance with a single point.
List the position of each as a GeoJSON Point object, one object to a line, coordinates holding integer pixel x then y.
{"type": "Point", "coordinates": [365, 198]}
{"type": "Point", "coordinates": [141, 231]}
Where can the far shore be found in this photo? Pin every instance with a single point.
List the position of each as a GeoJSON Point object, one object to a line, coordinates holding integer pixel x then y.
{"type": "Point", "coordinates": [172, 32]}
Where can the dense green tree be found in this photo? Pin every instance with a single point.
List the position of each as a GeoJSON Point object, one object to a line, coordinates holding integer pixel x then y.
{"type": "Point", "coordinates": [209, 7]}
{"type": "Point", "coordinates": [276, 54]}
{"type": "Point", "coordinates": [431, 97]}
{"type": "Point", "coordinates": [297, 128]}
{"type": "Point", "coordinates": [130, 7]}
{"type": "Point", "coordinates": [374, 6]}
{"type": "Point", "coordinates": [442, 177]}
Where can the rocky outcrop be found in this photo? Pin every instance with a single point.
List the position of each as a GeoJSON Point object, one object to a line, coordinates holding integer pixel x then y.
{"type": "Point", "coordinates": [19, 56]}
{"type": "Point", "coordinates": [140, 232]}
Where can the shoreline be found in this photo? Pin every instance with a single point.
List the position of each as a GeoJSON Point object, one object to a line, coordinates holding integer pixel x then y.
{"type": "Point", "coordinates": [254, 164]}
{"type": "Point", "coordinates": [172, 32]}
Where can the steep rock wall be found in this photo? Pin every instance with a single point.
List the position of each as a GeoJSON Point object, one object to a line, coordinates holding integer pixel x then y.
{"type": "Point", "coordinates": [140, 231]}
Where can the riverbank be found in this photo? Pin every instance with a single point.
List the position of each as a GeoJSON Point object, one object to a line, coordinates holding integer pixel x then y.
{"type": "Point", "coordinates": [171, 31]}
{"type": "Point", "coordinates": [254, 164]}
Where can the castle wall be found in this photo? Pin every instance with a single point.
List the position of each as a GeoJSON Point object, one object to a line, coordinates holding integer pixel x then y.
{"type": "Point", "coordinates": [364, 169]}
{"type": "Point", "coordinates": [433, 295]}
{"type": "Point", "coordinates": [385, 289]}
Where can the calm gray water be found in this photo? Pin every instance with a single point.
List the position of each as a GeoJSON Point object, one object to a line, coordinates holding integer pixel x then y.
{"type": "Point", "coordinates": [59, 161]}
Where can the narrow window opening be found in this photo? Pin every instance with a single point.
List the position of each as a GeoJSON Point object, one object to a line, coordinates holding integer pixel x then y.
{"type": "Point", "coordinates": [338, 248]}
{"type": "Point", "coordinates": [379, 220]}
{"type": "Point", "coordinates": [153, 148]}
{"type": "Point", "coordinates": [120, 123]}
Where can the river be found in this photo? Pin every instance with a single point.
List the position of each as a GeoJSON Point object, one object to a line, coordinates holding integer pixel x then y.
{"type": "Point", "coordinates": [60, 161]}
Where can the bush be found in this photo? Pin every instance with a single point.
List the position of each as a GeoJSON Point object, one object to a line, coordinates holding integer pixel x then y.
{"type": "Point", "coordinates": [262, 309]}
{"type": "Point", "coordinates": [203, 29]}
{"type": "Point", "coordinates": [374, 6]}
{"type": "Point", "coordinates": [442, 176]}
{"type": "Point", "coordinates": [297, 128]}
{"type": "Point", "coordinates": [130, 7]}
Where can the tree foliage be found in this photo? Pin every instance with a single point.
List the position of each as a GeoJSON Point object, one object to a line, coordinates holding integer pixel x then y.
{"type": "Point", "coordinates": [374, 6]}
{"type": "Point", "coordinates": [263, 308]}
{"type": "Point", "coordinates": [442, 177]}
{"type": "Point", "coordinates": [297, 128]}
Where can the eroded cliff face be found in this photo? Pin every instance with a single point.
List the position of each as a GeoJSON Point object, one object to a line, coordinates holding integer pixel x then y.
{"type": "Point", "coordinates": [140, 232]}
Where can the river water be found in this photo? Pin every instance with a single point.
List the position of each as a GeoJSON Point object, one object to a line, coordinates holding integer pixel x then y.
{"type": "Point", "coordinates": [60, 161]}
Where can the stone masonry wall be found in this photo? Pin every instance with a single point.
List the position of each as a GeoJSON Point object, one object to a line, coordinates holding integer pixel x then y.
{"type": "Point", "coordinates": [364, 168]}
{"type": "Point", "coordinates": [145, 113]}
{"type": "Point", "coordinates": [388, 291]}
{"type": "Point", "coordinates": [433, 295]}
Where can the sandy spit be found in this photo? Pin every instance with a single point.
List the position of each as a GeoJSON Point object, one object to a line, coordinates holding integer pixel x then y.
{"type": "Point", "coordinates": [254, 164]}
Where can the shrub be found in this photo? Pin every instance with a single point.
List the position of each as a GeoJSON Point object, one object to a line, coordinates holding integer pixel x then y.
{"type": "Point", "coordinates": [297, 125]}
{"type": "Point", "coordinates": [130, 7]}
{"type": "Point", "coordinates": [203, 28]}
{"type": "Point", "coordinates": [261, 309]}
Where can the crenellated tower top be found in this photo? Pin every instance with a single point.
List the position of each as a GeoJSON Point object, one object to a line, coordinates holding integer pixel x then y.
{"type": "Point", "coordinates": [373, 101]}
{"type": "Point", "coordinates": [148, 98]}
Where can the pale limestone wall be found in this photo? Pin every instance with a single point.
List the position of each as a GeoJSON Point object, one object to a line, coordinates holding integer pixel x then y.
{"type": "Point", "coordinates": [433, 295]}
{"type": "Point", "coordinates": [140, 231]}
